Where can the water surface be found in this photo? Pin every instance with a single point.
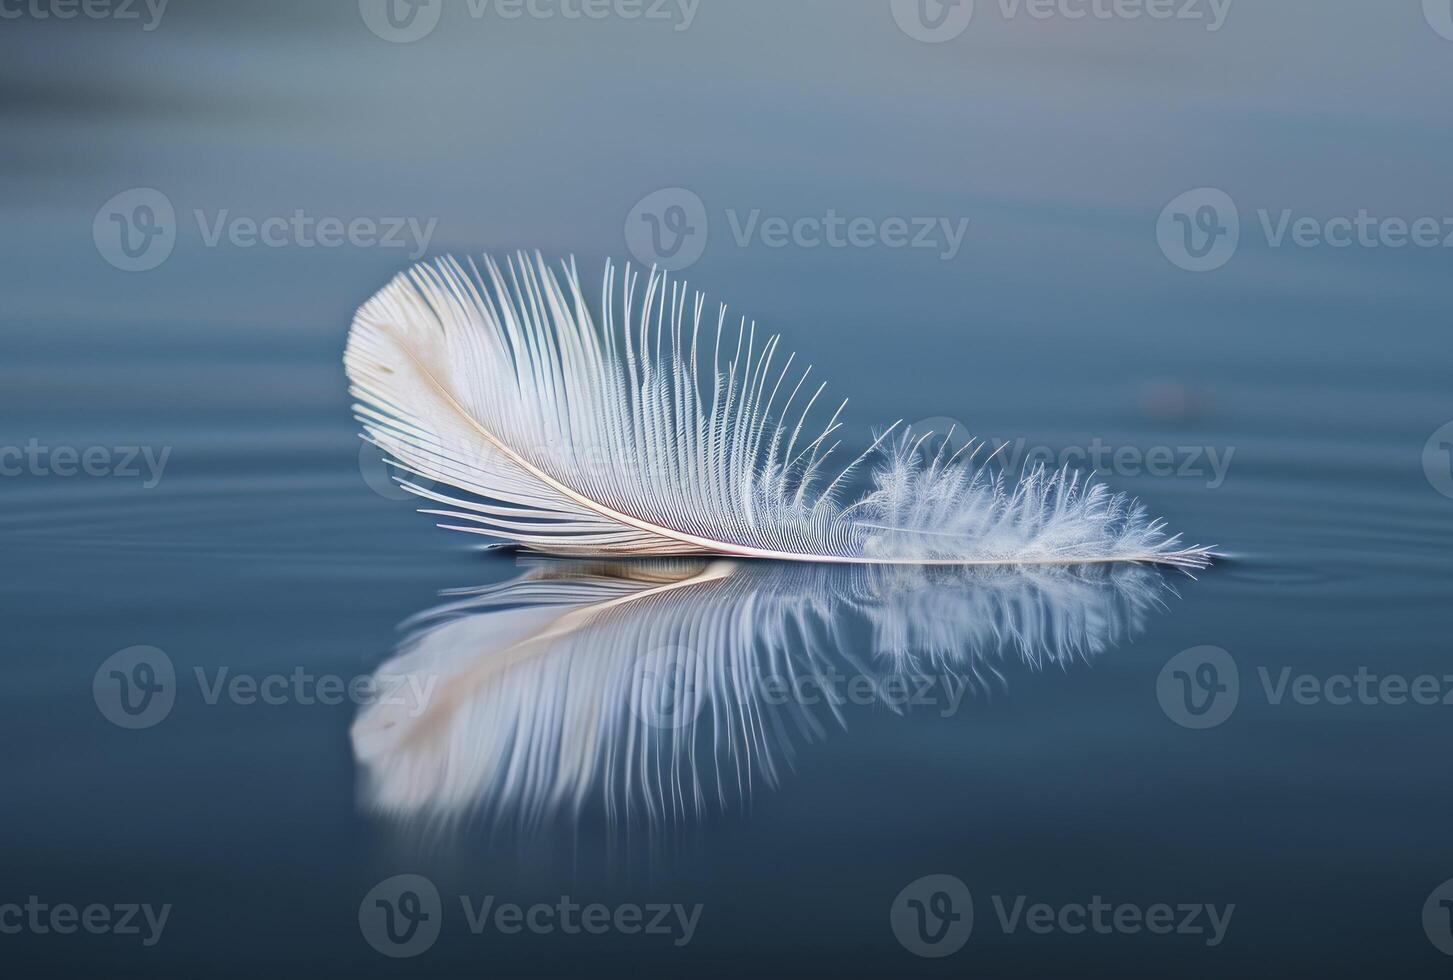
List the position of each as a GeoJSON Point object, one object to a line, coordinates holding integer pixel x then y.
{"type": "Point", "coordinates": [271, 545]}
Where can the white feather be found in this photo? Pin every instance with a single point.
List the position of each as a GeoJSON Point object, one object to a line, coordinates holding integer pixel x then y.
{"type": "Point", "coordinates": [662, 430]}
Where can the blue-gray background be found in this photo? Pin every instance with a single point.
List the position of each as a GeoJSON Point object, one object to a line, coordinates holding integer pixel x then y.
{"type": "Point", "coordinates": [264, 546]}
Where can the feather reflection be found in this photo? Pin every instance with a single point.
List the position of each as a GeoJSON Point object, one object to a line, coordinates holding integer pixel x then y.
{"type": "Point", "coordinates": [660, 691]}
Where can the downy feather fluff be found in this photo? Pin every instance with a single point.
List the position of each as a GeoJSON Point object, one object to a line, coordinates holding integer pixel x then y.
{"type": "Point", "coordinates": [656, 428]}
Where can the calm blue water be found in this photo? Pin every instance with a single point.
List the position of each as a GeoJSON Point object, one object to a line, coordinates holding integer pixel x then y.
{"type": "Point", "coordinates": [1284, 406]}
